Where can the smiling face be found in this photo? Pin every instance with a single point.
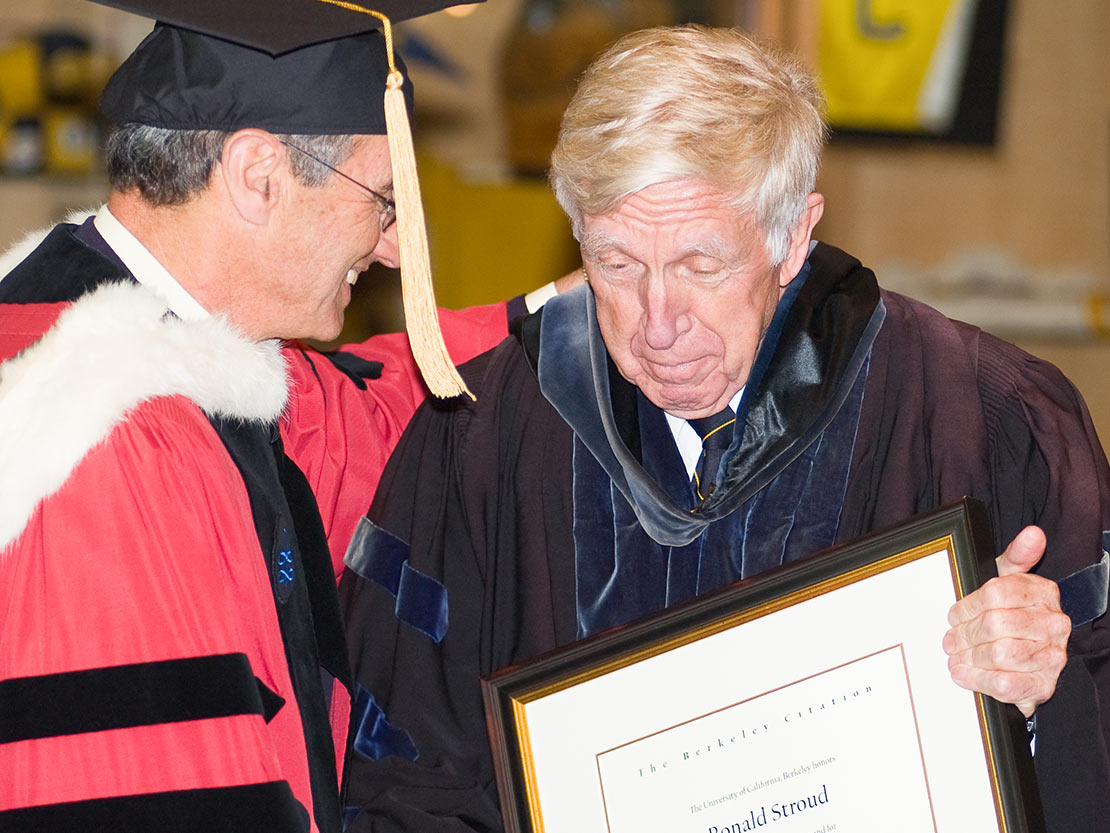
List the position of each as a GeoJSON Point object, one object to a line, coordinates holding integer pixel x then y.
{"type": "Point", "coordinates": [684, 291]}
{"type": "Point", "coordinates": [334, 232]}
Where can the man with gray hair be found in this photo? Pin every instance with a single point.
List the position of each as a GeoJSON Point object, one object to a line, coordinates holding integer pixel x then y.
{"type": "Point", "coordinates": [179, 475]}
{"type": "Point", "coordinates": [584, 488]}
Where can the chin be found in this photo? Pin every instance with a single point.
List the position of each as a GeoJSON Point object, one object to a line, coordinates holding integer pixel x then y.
{"type": "Point", "coordinates": [679, 406]}
{"type": "Point", "coordinates": [686, 404]}
{"type": "Point", "coordinates": [326, 331]}
{"type": "Point", "coordinates": [331, 334]}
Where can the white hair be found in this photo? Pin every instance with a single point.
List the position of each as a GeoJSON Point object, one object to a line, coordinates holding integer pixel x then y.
{"type": "Point", "coordinates": [693, 102]}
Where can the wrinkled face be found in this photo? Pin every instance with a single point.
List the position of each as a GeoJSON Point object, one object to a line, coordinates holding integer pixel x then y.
{"type": "Point", "coordinates": [334, 231]}
{"type": "Point", "coordinates": [684, 291]}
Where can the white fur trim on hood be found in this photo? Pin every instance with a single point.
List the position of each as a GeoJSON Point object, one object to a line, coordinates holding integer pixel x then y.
{"type": "Point", "coordinates": [109, 351]}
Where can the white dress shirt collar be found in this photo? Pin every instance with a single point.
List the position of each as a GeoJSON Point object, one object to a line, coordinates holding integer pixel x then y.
{"type": "Point", "coordinates": [687, 439]}
{"type": "Point", "coordinates": [145, 267]}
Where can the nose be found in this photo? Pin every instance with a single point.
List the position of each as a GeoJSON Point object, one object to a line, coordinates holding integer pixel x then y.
{"type": "Point", "coordinates": [387, 251]}
{"type": "Point", "coordinates": [663, 319]}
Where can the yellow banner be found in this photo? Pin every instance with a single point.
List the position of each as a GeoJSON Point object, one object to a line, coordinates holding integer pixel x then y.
{"type": "Point", "coordinates": [894, 64]}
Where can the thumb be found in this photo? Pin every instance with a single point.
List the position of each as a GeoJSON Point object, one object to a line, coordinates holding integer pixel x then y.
{"type": "Point", "coordinates": [1023, 553]}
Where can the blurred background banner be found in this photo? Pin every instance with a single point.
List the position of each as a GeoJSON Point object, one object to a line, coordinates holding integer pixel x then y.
{"type": "Point", "coordinates": [927, 68]}
{"type": "Point", "coordinates": [49, 83]}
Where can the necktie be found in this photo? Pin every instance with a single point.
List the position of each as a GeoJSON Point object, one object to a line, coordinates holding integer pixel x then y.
{"type": "Point", "coordinates": [716, 434]}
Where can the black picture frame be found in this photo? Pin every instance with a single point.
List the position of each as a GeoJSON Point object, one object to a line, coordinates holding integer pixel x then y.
{"type": "Point", "coordinates": [959, 530]}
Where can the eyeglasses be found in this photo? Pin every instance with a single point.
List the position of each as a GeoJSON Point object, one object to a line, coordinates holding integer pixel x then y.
{"type": "Point", "coordinates": [389, 207]}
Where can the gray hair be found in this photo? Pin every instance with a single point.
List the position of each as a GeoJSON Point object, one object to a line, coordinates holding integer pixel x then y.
{"type": "Point", "coordinates": [170, 167]}
{"type": "Point", "coordinates": [693, 102]}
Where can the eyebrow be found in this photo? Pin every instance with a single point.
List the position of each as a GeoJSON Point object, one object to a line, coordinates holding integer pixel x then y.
{"type": "Point", "coordinates": [594, 243]}
{"type": "Point", "coordinates": [712, 247]}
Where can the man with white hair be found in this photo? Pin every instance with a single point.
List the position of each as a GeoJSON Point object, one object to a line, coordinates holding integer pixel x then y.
{"type": "Point", "coordinates": [583, 489]}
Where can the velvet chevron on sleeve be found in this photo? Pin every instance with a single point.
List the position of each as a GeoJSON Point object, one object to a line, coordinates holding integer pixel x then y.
{"type": "Point", "coordinates": [421, 758]}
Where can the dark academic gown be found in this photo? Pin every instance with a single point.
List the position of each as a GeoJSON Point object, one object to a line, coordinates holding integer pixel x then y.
{"type": "Point", "coordinates": [173, 514]}
{"type": "Point", "coordinates": [469, 562]}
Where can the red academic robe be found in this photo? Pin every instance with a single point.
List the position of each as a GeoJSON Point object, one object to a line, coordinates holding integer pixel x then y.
{"type": "Point", "coordinates": [144, 680]}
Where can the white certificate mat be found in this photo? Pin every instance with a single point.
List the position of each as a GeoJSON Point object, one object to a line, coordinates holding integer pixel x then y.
{"type": "Point", "coordinates": [825, 708]}
{"type": "Point", "coordinates": [745, 765]}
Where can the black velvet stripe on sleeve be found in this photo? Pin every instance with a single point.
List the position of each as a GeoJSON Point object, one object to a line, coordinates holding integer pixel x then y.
{"type": "Point", "coordinates": [527, 331]}
{"type": "Point", "coordinates": [355, 368]}
{"type": "Point", "coordinates": [516, 307]}
{"type": "Point", "coordinates": [123, 696]}
{"type": "Point", "coordinates": [266, 808]}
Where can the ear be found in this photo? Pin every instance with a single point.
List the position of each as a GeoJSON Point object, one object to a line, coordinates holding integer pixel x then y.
{"type": "Point", "coordinates": [254, 173]}
{"type": "Point", "coordinates": [799, 239]}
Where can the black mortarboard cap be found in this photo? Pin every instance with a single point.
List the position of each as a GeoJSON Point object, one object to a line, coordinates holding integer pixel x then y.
{"type": "Point", "coordinates": [293, 66]}
{"type": "Point", "coordinates": [287, 66]}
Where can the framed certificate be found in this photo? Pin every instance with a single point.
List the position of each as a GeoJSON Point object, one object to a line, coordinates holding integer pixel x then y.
{"type": "Point", "coordinates": [812, 699]}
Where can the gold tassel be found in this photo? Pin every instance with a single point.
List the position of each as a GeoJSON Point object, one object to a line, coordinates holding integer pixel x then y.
{"type": "Point", "coordinates": [417, 290]}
